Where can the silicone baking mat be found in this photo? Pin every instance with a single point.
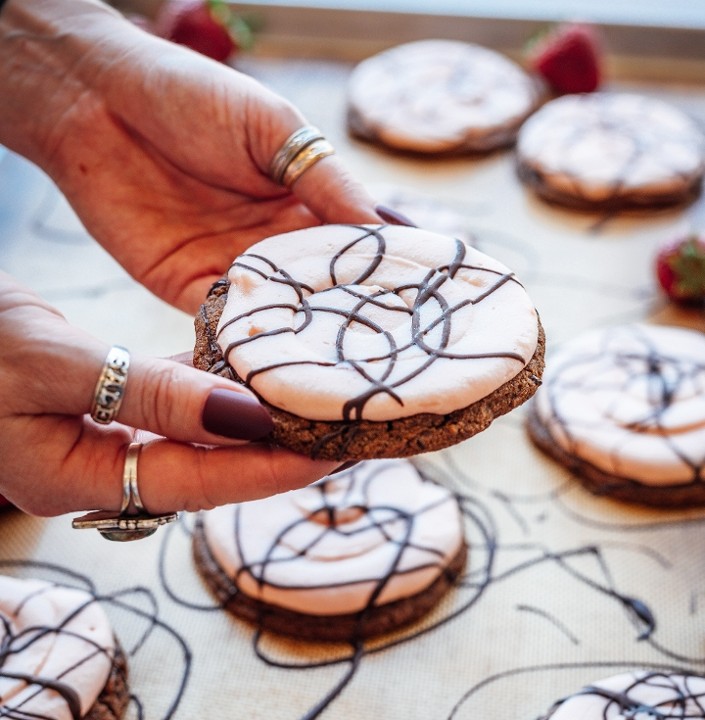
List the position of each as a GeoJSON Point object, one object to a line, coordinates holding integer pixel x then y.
{"type": "Point", "coordinates": [561, 588]}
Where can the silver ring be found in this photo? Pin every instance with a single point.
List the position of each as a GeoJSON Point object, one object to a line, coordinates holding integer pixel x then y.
{"type": "Point", "coordinates": [309, 156]}
{"type": "Point", "coordinates": [110, 388]}
{"type": "Point", "coordinates": [131, 500]}
{"type": "Point", "coordinates": [133, 522]}
{"type": "Point", "coordinates": [292, 147]}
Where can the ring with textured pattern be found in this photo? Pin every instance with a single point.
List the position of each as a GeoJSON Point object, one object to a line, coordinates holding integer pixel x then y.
{"type": "Point", "coordinates": [110, 388]}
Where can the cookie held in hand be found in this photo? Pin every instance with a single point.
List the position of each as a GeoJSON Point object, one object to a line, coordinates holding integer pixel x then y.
{"type": "Point", "coordinates": [372, 341]}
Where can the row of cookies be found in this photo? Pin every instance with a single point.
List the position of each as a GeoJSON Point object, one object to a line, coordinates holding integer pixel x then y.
{"type": "Point", "coordinates": [598, 150]}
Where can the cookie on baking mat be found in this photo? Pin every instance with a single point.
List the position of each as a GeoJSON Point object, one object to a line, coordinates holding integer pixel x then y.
{"type": "Point", "coordinates": [624, 409]}
{"type": "Point", "coordinates": [639, 694]}
{"type": "Point", "coordinates": [440, 96]}
{"type": "Point", "coordinates": [359, 553]}
{"type": "Point", "coordinates": [59, 658]}
{"type": "Point", "coordinates": [372, 341]}
{"type": "Point", "coordinates": [606, 151]}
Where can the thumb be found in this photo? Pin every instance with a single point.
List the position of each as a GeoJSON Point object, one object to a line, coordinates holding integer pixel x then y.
{"type": "Point", "coordinates": [182, 403]}
{"type": "Point", "coordinates": [332, 194]}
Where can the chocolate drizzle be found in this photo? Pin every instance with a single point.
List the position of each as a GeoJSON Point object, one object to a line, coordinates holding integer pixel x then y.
{"type": "Point", "coordinates": [428, 298]}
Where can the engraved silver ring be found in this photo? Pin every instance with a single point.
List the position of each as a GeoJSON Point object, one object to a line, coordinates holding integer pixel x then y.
{"type": "Point", "coordinates": [110, 388]}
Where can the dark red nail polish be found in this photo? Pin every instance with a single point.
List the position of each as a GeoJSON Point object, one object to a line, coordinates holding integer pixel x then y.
{"type": "Point", "coordinates": [235, 415]}
{"type": "Point", "coordinates": [393, 217]}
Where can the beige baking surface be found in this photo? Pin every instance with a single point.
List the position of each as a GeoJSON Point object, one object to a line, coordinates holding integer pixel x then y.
{"type": "Point", "coordinates": [561, 589]}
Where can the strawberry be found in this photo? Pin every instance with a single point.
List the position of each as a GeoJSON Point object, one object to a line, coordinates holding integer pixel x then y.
{"type": "Point", "coordinates": [209, 27]}
{"type": "Point", "coordinates": [680, 269]}
{"type": "Point", "coordinates": [568, 57]}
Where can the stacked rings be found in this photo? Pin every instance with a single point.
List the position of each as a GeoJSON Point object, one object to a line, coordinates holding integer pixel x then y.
{"type": "Point", "coordinates": [110, 388]}
{"type": "Point", "coordinates": [300, 151]}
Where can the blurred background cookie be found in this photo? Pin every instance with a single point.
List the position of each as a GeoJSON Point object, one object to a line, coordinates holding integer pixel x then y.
{"type": "Point", "coordinates": [440, 96]}
{"type": "Point", "coordinates": [606, 151]}
{"type": "Point", "coordinates": [624, 409]}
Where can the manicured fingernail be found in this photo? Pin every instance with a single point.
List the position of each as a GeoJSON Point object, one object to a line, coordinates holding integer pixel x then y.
{"type": "Point", "coordinates": [393, 217]}
{"type": "Point", "coordinates": [235, 415]}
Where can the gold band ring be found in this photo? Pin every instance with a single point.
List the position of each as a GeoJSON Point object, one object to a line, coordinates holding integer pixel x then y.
{"type": "Point", "coordinates": [306, 158]}
{"type": "Point", "coordinates": [299, 144]}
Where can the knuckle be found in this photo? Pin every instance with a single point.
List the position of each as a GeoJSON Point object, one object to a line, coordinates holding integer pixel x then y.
{"type": "Point", "coordinates": [159, 404]}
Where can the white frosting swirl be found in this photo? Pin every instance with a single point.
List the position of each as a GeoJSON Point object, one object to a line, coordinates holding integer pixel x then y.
{"type": "Point", "coordinates": [630, 400]}
{"type": "Point", "coordinates": [365, 537]}
{"type": "Point", "coordinates": [436, 95]}
{"type": "Point", "coordinates": [343, 322]}
{"type": "Point", "coordinates": [51, 634]}
{"type": "Point", "coordinates": [599, 146]}
{"type": "Point", "coordinates": [642, 695]}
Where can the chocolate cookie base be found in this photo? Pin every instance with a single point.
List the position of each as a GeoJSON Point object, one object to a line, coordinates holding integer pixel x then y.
{"type": "Point", "coordinates": [376, 620]}
{"type": "Point", "coordinates": [482, 141]}
{"type": "Point", "coordinates": [113, 699]}
{"type": "Point", "coordinates": [367, 439]}
{"type": "Point", "coordinates": [621, 199]}
{"type": "Point", "coordinates": [605, 484]}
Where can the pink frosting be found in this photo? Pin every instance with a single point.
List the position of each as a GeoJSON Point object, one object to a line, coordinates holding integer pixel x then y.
{"type": "Point", "coordinates": [374, 322]}
{"type": "Point", "coordinates": [52, 633]}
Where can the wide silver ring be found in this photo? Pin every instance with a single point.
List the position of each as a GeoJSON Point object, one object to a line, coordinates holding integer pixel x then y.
{"type": "Point", "coordinates": [133, 522]}
{"type": "Point", "coordinates": [110, 388]}
{"type": "Point", "coordinates": [296, 151]}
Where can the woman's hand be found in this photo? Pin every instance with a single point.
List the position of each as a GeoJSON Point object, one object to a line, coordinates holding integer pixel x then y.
{"type": "Point", "coordinates": [55, 459]}
{"type": "Point", "coordinates": [163, 153]}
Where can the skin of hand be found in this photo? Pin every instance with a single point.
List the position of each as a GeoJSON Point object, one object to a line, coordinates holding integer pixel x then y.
{"type": "Point", "coordinates": [162, 152]}
{"type": "Point", "coordinates": [55, 459]}
{"type": "Point", "coordinates": [164, 155]}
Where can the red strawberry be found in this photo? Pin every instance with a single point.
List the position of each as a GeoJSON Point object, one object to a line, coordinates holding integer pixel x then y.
{"type": "Point", "coordinates": [569, 57]}
{"type": "Point", "coordinates": [680, 269]}
{"type": "Point", "coordinates": [209, 27]}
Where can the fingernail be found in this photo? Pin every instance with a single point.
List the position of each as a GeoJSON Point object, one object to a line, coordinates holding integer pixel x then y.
{"type": "Point", "coordinates": [235, 415]}
{"type": "Point", "coordinates": [393, 217]}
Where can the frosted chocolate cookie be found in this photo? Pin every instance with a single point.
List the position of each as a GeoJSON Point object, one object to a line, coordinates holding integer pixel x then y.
{"type": "Point", "coordinates": [639, 694]}
{"type": "Point", "coordinates": [624, 409]}
{"type": "Point", "coordinates": [440, 96]}
{"type": "Point", "coordinates": [372, 341]}
{"type": "Point", "coordinates": [358, 553]}
{"type": "Point", "coordinates": [611, 151]}
{"type": "Point", "coordinates": [59, 658]}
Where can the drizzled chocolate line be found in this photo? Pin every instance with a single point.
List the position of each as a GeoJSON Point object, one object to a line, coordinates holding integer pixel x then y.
{"type": "Point", "coordinates": [665, 374]}
{"type": "Point", "coordinates": [428, 294]}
